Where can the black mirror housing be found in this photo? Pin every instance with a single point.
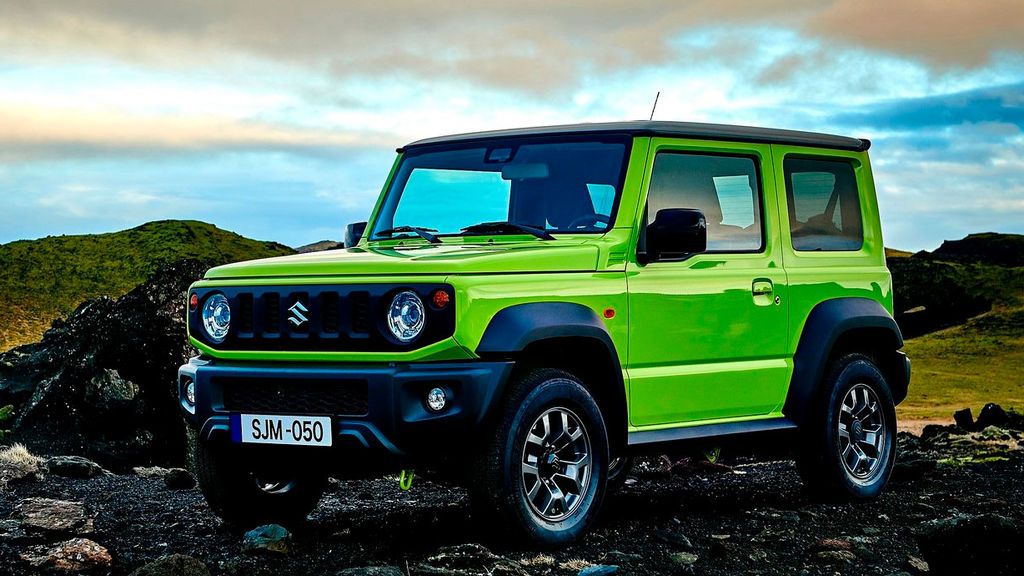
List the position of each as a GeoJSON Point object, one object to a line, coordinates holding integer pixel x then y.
{"type": "Point", "coordinates": [353, 233]}
{"type": "Point", "coordinates": [677, 233]}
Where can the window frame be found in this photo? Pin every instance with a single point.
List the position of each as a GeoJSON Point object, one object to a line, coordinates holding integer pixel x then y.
{"type": "Point", "coordinates": [759, 181]}
{"type": "Point", "coordinates": [854, 165]}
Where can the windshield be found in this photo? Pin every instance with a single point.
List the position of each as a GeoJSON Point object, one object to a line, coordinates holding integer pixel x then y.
{"type": "Point", "coordinates": [546, 185]}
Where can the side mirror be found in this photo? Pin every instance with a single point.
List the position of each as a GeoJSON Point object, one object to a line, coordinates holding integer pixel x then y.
{"type": "Point", "coordinates": [676, 233]}
{"type": "Point", "coordinates": [353, 232]}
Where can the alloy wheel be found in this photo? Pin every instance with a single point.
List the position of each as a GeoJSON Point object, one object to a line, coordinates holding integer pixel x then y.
{"type": "Point", "coordinates": [556, 464]}
{"type": "Point", "coordinates": [862, 435]}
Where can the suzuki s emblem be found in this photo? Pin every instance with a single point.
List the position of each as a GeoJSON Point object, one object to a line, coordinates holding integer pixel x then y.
{"type": "Point", "coordinates": [298, 316]}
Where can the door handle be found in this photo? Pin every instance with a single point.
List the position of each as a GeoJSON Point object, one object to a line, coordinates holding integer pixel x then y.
{"type": "Point", "coordinates": [762, 288]}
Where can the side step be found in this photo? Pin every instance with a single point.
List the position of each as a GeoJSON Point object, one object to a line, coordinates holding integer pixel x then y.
{"type": "Point", "coordinates": [706, 431]}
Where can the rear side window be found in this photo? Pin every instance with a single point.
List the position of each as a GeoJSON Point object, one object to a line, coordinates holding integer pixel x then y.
{"type": "Point", "coordinates": [724, 188]}
{"type": "Point", "coordinates": [824, 206]}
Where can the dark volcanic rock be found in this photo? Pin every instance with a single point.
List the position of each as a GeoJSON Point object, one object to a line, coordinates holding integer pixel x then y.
{"type": "Point", "coordinates": [179, 479]}
{"type": "Point", "coordinates": [964, 419]}
{"type": "Point", "coordinates": [101, 383]}
{"type": "Point", "coordinates": [268, 538]}
{"type": "Point", "coordinates": [74, 467]}
{"type": "Point", "coordinates": [992, 415]}
{"type": "Point", "coordinates": [54, 516]}
{"type": "Point", "coordinates": [75, 556]}
{"type": "Point", "coordinates": [986, 544]}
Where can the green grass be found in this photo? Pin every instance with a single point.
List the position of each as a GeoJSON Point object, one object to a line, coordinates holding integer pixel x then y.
{"type": "Point", "coordinates": [41, 280]}
{"type": "Point", "coordinates": [967, 366]}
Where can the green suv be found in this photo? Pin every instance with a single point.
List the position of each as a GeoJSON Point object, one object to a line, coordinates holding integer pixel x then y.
{"type": "Point", "coordinates": [525, 310]}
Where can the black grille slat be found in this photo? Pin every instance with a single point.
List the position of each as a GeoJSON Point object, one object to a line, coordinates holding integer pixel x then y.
{"type": "Point", "coordinates": [245, 313]}
{"type": "Point", "coordinates": [305, 397]}
{"type": "Point", "coordinates": [360, 312]}
{"type": "Point", "coordinates": [329, 313]}
{"type": "Point", "coordinates": [272, 313]}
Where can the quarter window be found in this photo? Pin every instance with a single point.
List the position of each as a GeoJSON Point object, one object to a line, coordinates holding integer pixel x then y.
{"type": "Point", "coordinates": [724, 188]}
{"type": "Point", "coordinates": [824, 206]}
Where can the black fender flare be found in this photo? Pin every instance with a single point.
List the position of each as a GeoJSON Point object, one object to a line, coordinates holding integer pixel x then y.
{"type": "Point", "coordinates": [513, 329]}
{"type": "Point", "coordinates": [826, 324]}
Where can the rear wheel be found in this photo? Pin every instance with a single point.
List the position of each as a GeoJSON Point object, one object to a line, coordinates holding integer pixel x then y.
{"type": "Point", "coordinates": [849, 449]}
{"type": "Point", "coordinates": [245, 492]}
{"type": "Point", "coordinates": [618, 471]}
{"type": "Point", "coordinates": [542, 474]}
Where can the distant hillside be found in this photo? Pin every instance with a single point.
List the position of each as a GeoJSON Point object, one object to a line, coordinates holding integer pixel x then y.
{"type": "Point", "coordinates": [41, 280]}
{"type": "Point", "coordinates": [318, 246]}
{"type": "Point", "coordinates": [961, 279]}
{"type": "Point", "coordinates": [987, 248]}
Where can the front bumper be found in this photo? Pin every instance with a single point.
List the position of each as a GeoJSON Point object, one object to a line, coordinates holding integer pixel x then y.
{"type": "Point", "coordinates": [384, 418]}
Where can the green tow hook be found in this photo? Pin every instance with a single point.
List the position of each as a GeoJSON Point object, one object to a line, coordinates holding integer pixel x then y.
{"type": "Point", "coordinates": [713, 454]}
{"type": "Point", "coordinates": [405, 480]}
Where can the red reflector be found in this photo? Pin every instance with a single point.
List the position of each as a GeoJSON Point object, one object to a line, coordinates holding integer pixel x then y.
{"type": "Point", "coordinates": [193, 301]}
{"type": "Point", "coordinates": [440, 299]}
{"type": "Point", "coordinates": [609, 313]}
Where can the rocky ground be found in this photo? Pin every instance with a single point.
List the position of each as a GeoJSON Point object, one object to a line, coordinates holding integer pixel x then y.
{"type": "Point", "coordinates": [954, 507]}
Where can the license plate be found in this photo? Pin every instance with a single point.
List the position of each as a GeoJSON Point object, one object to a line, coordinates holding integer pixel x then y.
{"type": "Point", "coordinates": [288, 430]}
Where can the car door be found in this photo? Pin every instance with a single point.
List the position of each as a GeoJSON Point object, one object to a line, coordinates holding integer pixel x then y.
{"type": "Point", "coordinates": [708, 332]}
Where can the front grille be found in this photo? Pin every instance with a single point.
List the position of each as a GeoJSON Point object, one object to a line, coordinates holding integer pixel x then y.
{"type": "Point", "coordinates": [319, 318]}
{"type": "Point", "coordinates": [306, 397]}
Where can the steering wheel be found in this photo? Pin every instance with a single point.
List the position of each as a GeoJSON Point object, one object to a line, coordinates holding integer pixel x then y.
{"type": "Point", "coordinates": [588, 221]}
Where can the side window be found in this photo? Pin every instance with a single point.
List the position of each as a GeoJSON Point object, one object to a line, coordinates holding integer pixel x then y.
{"type": "Point", "coordinates": [724, 188]}
{"type": "Point", "coordinates": [824, 206]}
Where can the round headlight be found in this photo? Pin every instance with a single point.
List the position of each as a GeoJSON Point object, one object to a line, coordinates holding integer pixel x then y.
{"type": "Point", "coordinates": [406, 316]}
{"type": "Point", "coordinates": [217, 317]}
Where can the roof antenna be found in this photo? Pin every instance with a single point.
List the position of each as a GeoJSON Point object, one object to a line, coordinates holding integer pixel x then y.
{"type": "Point", "coordinates": [655, 107]}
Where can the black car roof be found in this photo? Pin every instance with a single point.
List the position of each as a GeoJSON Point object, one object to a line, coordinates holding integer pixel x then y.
{"type": "Point", "coordinates": [694, 130]}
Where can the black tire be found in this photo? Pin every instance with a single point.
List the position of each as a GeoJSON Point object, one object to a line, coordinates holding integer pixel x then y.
{"type": "Point", "coordinates": [499, 493]}
{"type": "Point", "coordinates": [618, 470]}
{"type": "Point", "coordinates": [855, 398]}
{"type": "Point", "coordinates": [232, 484]}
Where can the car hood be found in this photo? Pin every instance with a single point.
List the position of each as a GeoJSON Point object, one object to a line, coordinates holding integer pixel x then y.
{"type": "Point", "coordinates": [533, 256]}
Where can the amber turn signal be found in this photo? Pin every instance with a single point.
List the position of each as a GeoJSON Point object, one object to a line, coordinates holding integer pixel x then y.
{"type": "Point", "coordinates": [440, 299]}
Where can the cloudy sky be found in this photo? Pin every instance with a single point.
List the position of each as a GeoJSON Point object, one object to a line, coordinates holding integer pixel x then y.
{"type": "Point", "coordinates": [279, 120]}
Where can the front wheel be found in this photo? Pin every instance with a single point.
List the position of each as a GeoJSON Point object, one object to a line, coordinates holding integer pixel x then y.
{"type": "Point", "coordinates": [849, 449]}
{"type": "Point", "coordinates": [246, 492]}
{"type": "Point", "coordinates": [542, 474]}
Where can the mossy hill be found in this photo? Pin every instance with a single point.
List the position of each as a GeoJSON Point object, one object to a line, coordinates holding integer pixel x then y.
{"type": "Point", "coordinates": [42, 280]}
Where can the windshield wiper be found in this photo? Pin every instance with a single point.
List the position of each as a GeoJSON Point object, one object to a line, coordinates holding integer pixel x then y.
{"type": "Point", "coordinates": [424, 233]}
{"type": "Point", "coordinates": [506, 226]}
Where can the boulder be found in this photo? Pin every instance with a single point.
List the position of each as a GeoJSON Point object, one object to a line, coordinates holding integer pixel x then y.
{"type": "Point", "coordinates": [179, 479]}
{"type": "Point", "coordinates": [74, 467]}
{"type": "Point", "coordinates": [964, 419]}
{"type": "Point", "coordinates": [986, 544]}
{"type": "Point", "coordinates": [49, 515]}
{"type": "Point", "coordinates": [75, 556]}
{"type": "Point", "coordinates": [102, 383]}
{"type": "Point", "coordinates": [268, 538]}
{"type": "Point", "coordinates": [175, 565]}
{"type": "Point", "coordinates": [992, 415]}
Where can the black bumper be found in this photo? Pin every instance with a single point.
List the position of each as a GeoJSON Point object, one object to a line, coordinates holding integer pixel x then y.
{"type": "Point", "coordinates": [377, 409]}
